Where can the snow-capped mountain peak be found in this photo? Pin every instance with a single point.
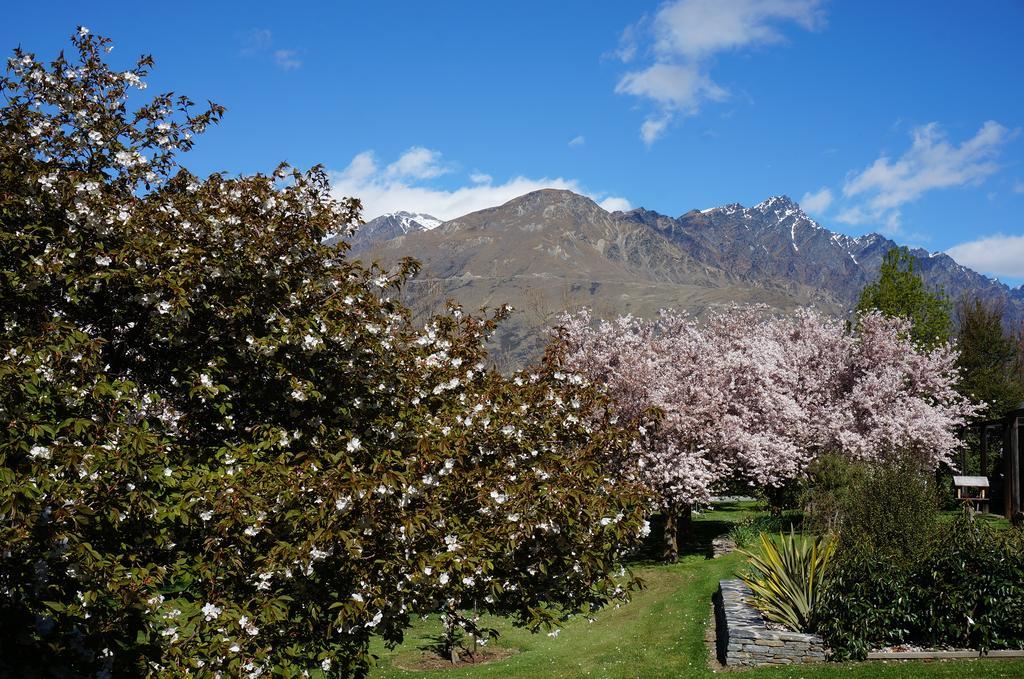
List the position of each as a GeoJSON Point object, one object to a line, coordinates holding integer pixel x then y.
{"type": "Point", "coordinates": [391, 225]}
{"type": "Point", "coordinates": [781, 207]}
{"type": "Point", "coordinates": [412, 221]}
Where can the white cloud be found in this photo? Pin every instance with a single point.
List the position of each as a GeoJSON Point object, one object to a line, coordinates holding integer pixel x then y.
{"type": "Point", "coordinates": [697, 29]}
{"type": "Point", "coordinates": [614, 203]}
{"type": "Point", "coordinates": [578, 140]}
{"type": "Point", "coordinates": [400, 186]}
{"type": "Point", "coordinates": [686, 34]}
{"type": "Point", "coordinates": [259, 42]}
{"type": "Point", "coordinates": [628, 43]}
{"type": "Point", "coordinates": [889, 222]}
{"type": "Point", "coordinates": [362, 167]}
{"type": "Point", "coordinates": [931, 163]}
{"type": "Point", "coordinates": [996, 255]}
{"type": "Point", "coordinates": [287, 60]}
{"type": "Point", "coordinates": [256, 40]}
{"type": "Point", "coordinates": [677, 87]}
{"type": "Point", "coordinates": [852, 215]}
{"type": "Point", "coordinates": [654, 128]}
{"type": "Point", "coordinates": [817, 202]}
{"type": "Point", "coordinates": [1018, 187]}
{"type": "Point", "coordinates": [417, 163]}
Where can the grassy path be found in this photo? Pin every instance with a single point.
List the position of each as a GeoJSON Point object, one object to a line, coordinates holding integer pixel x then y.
{"type": "Point", "coordinates": [659, 634]}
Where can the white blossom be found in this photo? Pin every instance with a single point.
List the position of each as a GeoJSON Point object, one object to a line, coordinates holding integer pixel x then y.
{"type": "Point", "coordinates": [248, 626]}
{"type": "Point", "coordinates": [39, 453]}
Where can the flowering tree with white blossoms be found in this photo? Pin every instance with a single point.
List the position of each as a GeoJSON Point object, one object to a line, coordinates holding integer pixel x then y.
{"type": "Point", "coordinates": [224, 449]}
{"type": "Point", "coordinates": [746, 396]}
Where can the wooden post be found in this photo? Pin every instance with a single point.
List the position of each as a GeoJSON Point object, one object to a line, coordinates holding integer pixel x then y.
{"type": "Point", "coordinates": [1007, 484]}
{"type": "Point", "coordinates": [984, 451]}
{"type": "Point", "coordinates": [1013, 468]}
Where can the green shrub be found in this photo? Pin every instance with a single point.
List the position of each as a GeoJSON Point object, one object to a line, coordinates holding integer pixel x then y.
{"type": "Point", "coordinates": [787, 577]}
{"type": "Point", "coordinates": [864, 605]}
{"type": "Point", "coordinates": [748, 532]}
{"type": "Point", "coordinates": [888, 510]}
{"type": "Point", "coordinates": [831, 479]}
{"type": "Point", "coordinates": [777, 499]}
{"type": "Point", "coordinates": [968, 592]}
{"type": "Point", "coordinates": [891, 512]}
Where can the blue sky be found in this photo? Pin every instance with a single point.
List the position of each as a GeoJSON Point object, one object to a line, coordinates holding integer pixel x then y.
{"type": "Point", "coordinates": [903, 118]}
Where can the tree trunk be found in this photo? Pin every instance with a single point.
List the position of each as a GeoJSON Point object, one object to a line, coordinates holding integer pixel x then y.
{"type": "Point", "coordinates": [685, 530]}
{"type": "Point", "coordinates": [671, 542]}
{"type": "Point", "coordinates": [476, 617]}
{"type": "Point", "coordinates": [776, 498]}
{"type": "Point", "coordinates": [451, 643]}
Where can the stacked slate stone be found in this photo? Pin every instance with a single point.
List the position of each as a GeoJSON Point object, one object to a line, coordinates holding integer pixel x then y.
{"type": "Point", "coordinates": [748, 642]}
{"type": "Point", "coordinates": [722, 546]}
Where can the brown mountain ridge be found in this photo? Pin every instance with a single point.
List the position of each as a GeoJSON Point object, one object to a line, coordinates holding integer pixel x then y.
{"type": "Point", "coordinates": [552, 250]}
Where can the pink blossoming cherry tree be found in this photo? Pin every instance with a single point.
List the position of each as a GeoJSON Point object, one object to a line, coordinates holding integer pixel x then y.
{"type": "Point", "coordinates": [746, 396]}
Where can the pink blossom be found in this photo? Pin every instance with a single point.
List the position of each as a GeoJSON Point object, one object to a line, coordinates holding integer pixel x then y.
{"type": "Point", "coordinates": [744, 395]}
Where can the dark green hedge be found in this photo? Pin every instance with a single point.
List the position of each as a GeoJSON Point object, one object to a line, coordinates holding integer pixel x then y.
{"type": "Point", "coordinates": [967, 591]}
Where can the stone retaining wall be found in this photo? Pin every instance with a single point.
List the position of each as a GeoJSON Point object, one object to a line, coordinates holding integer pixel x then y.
{"type": "Point", "coordinates": [722, 546]}
{"type": "Point", "coordinates": [743, 640]}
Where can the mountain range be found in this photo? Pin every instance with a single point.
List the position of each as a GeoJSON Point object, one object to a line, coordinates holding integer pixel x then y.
{"type": "Point", "coordinates": [552, 250]}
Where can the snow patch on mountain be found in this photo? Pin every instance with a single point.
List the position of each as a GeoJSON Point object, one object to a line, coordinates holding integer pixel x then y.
{"type": "Point", "coordinates": [414, 221]}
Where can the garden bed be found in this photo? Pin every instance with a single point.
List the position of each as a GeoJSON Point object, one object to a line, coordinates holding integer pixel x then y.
{"type": "Point", "coordinates": [745, 640]}
{"type": "Point", "coordinates": [943, 655]}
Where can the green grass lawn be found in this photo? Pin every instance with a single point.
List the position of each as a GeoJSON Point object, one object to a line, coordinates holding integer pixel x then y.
{"type": "Point", "coordinates": [661, 633]}
{"type": "Point", "coordinates": [996, 521]}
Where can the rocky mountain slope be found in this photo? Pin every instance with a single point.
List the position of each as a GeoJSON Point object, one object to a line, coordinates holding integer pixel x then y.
{"type": "Point", "coordinates": [552, 250]}
{"type": "Point", "coordinates": [775, 240]}
{"type": "Point", "coordinates": [388, 226]}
